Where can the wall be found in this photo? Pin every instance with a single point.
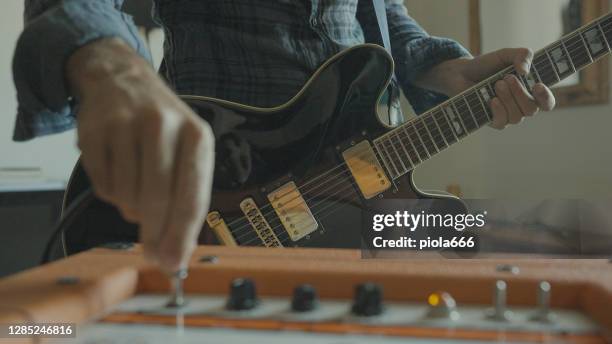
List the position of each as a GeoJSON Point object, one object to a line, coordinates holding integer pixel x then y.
{"type": "Point", "coordinates": [55, 154]}
{"type": "Point", "coordinates": [561, 154]}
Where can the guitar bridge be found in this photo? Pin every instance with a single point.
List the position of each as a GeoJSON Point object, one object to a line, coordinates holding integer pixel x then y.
{"type": "Point", "coordinates": [366, 169]}
{"type": "Point", "coordinates": [259, 223]}
{"type": "Point", "coordinates": [293, 211]}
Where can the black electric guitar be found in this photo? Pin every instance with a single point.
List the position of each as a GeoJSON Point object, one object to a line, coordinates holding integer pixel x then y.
{"type": "Point", "coordinates": [303, 173]}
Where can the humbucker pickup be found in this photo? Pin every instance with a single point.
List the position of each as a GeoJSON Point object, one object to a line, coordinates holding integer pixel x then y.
{"type": "Point", "coordinates": [259, 223]}
{"type": "Point", "coordinates": [366, 169]}
{"type": "Point", "coordinates": [293, 211]}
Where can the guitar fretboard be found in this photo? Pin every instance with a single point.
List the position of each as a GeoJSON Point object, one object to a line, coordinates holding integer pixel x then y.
{"type": "Point", "coordinates": [415, 141]}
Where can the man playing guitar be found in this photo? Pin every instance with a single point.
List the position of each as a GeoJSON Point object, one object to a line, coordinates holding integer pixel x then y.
{"type": "Point", "coordinates": [147, 152]}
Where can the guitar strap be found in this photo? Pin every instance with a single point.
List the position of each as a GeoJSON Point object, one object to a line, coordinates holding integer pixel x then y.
{"type": "Point", "coordinates": [392, 99]}
{"type": "Point", "coordinates": [383, 25]}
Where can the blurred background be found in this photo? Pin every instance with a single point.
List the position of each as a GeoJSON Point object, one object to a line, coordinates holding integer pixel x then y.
{"type": "Point", "coordinates": [564, 154]}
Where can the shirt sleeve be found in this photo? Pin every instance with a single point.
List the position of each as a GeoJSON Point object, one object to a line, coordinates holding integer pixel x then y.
{"type": "Point", "coordinates": [414, 52]}
{"type": "Point", "coordinates": [54, 29]}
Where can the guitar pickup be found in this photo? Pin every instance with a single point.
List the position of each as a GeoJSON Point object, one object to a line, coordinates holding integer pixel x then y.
{"type": "Point", "coordinates": [366, 170]}
{"type": "Point", "coordinates": [293, 211]}
{"type": "Point", "coordinates": [259, 223]}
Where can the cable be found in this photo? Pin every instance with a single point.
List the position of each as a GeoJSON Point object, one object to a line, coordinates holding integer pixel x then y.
{"type": "Point", "coordinates": [70, 214]}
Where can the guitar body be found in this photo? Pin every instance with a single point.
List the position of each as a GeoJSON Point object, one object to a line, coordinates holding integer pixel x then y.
{"type": "Point", "coordinates": [300, 143]}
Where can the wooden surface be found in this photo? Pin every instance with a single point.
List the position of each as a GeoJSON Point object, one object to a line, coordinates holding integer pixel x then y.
{"type": "Point", "coordinates": [106, 277]}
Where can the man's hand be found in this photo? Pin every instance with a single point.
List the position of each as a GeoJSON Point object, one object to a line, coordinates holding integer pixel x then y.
{"type": "Point", "coordinates": [145, 151]}
{"type": "Point", "coordinates": [512, 103]}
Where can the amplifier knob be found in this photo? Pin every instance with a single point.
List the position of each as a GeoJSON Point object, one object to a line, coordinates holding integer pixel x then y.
{"type": "Point", "coordinates": [543, 313]}
{"type": "Point", "coordinates": [304, 298]}
{"type": "Point", "coordinates": [242, 295]}
{"type": "Point", "coordinates": [368, 300]}
{"type": "Point", "coordinates": [499, 312]}
{"type": "Point", "coordinates": [442, 305]}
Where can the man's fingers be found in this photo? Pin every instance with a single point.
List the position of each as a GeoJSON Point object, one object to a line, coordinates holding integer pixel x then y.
{"type": "Point", "coordinates": [505, 96]}
{"type": "Point", "coordinates": [125, 168]}
{"type": "Point", "coordinates": [159, 143]}
{"type": "Point", "coordinates": [523, 99]}
{"type": "Point", "coordinates": [500, 115]}
{"type": "Point", "coordinates": [190, 196]}
{"type": "Point", "coordinates": [544, 97]}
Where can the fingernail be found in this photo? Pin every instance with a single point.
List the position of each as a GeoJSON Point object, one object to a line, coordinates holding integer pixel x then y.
{"type": "Point", "coordinates": [525, 67]}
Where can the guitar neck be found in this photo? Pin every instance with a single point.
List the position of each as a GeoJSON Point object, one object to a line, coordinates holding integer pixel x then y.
{"type": "Point", "coordinates": [415, 141]}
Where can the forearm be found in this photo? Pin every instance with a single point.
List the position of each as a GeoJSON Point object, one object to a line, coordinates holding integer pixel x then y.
{"type": "Point", "coordinates": [443, 78]}
{"type": "Point", "coordinates": [98, 61]}
{"type": "Point", "coordinates": [54, 31]}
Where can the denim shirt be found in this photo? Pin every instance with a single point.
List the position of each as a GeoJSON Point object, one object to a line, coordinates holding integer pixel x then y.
{"type": "Point", "coordinates": [255, 52]}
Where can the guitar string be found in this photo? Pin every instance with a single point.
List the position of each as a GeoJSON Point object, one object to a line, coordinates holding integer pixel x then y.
{"type": "Point", "coordinates": [239, 233]}
{"type": "Point", "coordinates": [473, 104]}
{"type": "Point", "coordinates": [578, 47]}
{"type": "Point", "coordinates": [341, 165]}
{"type": "Point", "coordinates": [246, 224]}
{"type": "Point", "coordinates": [478, 115]}
{"type": "Point", "coordinates": [285, 235]}
{"type": "Point", "coordinates": [315, 212]}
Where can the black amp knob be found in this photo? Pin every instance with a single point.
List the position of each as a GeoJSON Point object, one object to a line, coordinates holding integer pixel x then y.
{"type": "Point", "coordinates": [304, 298]}
{"type": "Point", "coordinates": [368, 300]}
{"type": "Point", "coordinates": [242, 295]}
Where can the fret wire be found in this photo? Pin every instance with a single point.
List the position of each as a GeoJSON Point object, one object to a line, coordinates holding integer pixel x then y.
{"type": "Point", "coordinates": [398, 155]}
{"type": "Point", "coordinates": [448, 125]}
{"type": "Point", "coordinates": [460, 102]}
{"type": "Point", "coordinates": [424, 136]}
{"type": "Point", "coordinates": [390, 159]}
{"type": "Point", "coordinates": [382, 157]}
{"type": "Point", "coordinates": [401, 141]}
{"type": "Point", "coordinates": [389, 143]}
{"type": "Point", "coordinates": [578, 52]}
{"type": "Point", "coordinates": [458, 116]}
{"type": "Point", "coordinates": [485, 107]}
{"type": "Point", "coordinates": [473, 106]}
{"type": "Point", "coordinates": [410, 140]}
{"type": "Point", "coordinates": [455, 120]}
{"type": "Point", "coordinates": [569, 58]}
{"type": "Point", "coordinates": [552, 63]}
{"type": "Point", "coordinates": [435, 121]}
{"type": "Point", "coordinates": [423, 154]}
{"type": "Point", "coordinates": [422, 142]}
{"type": "Point", "coordinates": [470, 109]}
{"type": "Point", "coordinates": [484, 100]}
{"type": "Point", "coordinates": [546, 70]}
{"type": "Point", "coordinates": [433, 141]}
{"type": "Point", "coordinates": [606, 24]}
{"type": "Point", "coordinates": [439, 133]}
{"type": "Point", "coordinates": [537, 74]}
{"type": "Point", "coordinates": [603, 35]}
{"type": "Point", "coordinates": [586, 47]}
